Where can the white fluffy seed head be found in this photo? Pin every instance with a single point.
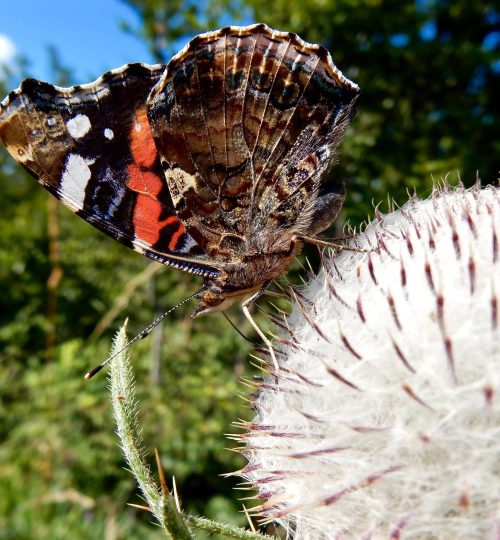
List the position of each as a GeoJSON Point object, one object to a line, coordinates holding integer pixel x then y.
{"type": "Point", "coordinates": [383, 420]}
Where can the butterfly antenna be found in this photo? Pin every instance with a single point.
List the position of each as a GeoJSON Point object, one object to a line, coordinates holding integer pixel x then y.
{"type": "Point", "coordinates": [141, 335]}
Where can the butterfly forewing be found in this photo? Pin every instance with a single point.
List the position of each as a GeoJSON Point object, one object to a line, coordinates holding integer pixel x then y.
{"type": "Point", "coordinates": [91, 146]}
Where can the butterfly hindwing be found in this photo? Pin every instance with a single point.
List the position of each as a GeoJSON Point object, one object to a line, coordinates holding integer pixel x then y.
{"type": "Point", "coordinates": [247, 121]}
{"type": "Point", "coordinates": [91, 146]}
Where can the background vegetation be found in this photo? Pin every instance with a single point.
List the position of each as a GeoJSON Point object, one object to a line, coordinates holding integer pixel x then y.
{"type": "Point", "coordinates": [430, 76]}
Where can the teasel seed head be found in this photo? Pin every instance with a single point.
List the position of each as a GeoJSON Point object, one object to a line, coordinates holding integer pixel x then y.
{"type": "Point", "coordinates": [383, 420]}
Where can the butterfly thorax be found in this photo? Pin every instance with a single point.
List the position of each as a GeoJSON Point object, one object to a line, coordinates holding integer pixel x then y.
{"type": "Point", "coordinates": [260, 260]}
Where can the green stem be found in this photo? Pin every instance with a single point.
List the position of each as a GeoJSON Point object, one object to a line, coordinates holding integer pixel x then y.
{"type": "Point", "coordinates": [161, 505]}
{"type": "Point", "coordinates": [227, 530]}
{"type": "Point", "coordinates": [175, 524]}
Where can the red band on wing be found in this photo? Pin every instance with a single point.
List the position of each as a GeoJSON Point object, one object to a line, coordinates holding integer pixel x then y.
{"type": "Point", "coordinates": [147, 211]}
{"type": "Point", "coordinates": [142, 143]}
{"type": "Point", "coordinates": [172, 245]}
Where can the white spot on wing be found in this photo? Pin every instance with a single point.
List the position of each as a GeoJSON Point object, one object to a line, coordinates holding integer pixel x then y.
{"type": "Point", "coordinates": [183, 182]}
{"type": "Point", "coordinates": [137, 127]}
{"type": "Point", "coordinates": [78, 126]}
{"type": "Point", "coordinates": [74, 180]}
{"type": "Point", "coordinates": [108, 133]}
{"type": "Point", "coordinates": [51, 121]}
{"type": "Point", "coordinates": [138, 246]}
{"type": "Point", "coordinates": [190, 243]}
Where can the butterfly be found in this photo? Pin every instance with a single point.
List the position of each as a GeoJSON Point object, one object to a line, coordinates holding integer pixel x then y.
{"type": "Point", "coordinates": [213, 163]}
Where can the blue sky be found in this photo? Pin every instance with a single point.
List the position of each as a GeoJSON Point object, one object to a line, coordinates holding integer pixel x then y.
{"type": "Point", "coordinates": [86, 35]}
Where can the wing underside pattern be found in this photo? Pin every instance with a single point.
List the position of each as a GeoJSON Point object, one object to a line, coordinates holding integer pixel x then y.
{"type": "Point", "coordinates": [246, 121]}
{"type": "Point", "coordinates": [91, 146]}
{"type": "Point", "coordinates": [187, 162]}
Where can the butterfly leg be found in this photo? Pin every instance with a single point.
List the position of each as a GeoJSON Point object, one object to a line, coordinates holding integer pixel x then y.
{"type": "Point", "coordinates": [255, 326]}
{"type": "Point", "coordinates": [330, 244]}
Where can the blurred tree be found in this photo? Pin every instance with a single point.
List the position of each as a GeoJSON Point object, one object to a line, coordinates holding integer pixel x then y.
{"type": "Point", "coordinates": [166, 24]}
{"type": "Point", "coordinates": [429, 72]}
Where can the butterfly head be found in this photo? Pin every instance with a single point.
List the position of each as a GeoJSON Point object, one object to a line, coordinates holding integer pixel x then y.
{"type": "Point", "coordinates": [213, 298]}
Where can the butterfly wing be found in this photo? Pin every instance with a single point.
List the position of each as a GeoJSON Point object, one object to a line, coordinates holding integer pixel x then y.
{"type": "Point", "coordinates": [246, 121]}
{"type": "Point", "coordinates": [91, 147]}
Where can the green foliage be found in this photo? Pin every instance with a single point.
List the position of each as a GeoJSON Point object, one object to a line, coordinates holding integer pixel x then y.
{"type": "Point", "coordinates": [166, 24]}
{"type": "Point", "coordinates": [429, 106]}
{"type": "Point", "coordinates": [61, 472]}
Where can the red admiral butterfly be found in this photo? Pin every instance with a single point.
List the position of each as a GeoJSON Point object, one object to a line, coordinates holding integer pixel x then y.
{"type": "Point", "coordinates": [212, 163]}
